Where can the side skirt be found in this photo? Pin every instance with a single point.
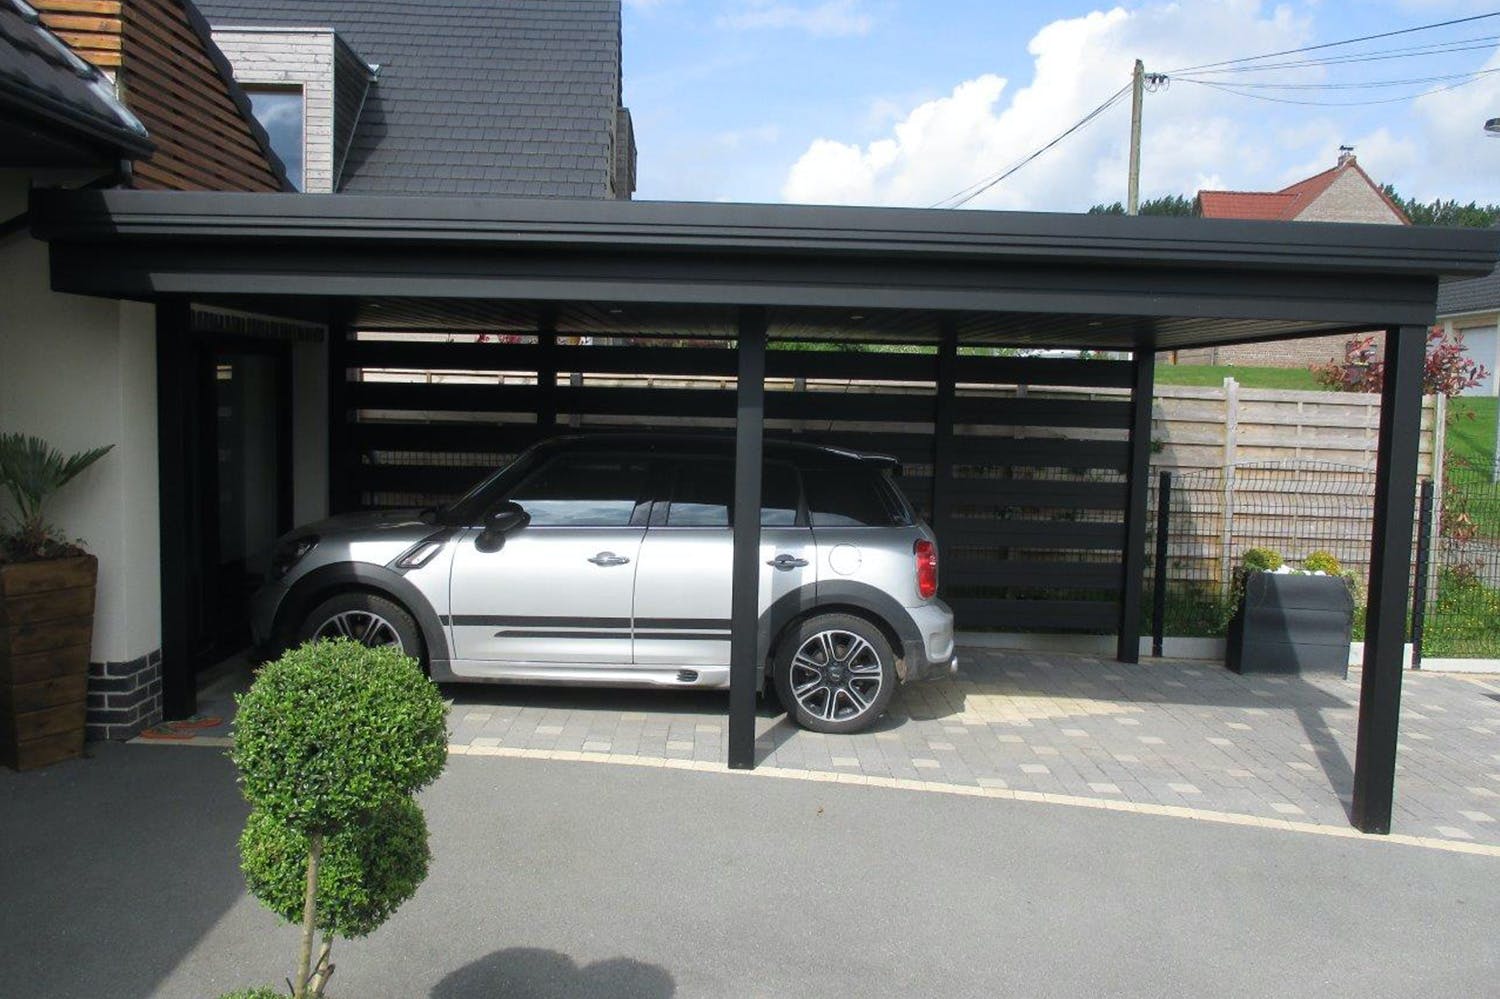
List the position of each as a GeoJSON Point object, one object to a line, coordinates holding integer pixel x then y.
{"type": "Point", "coordinates": [567, 674]}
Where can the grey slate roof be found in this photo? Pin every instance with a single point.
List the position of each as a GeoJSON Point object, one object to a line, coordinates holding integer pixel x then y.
{"type": "Point", "coordinates": [480, 97]}
{"type": "Point", "coordinates": [1472, 295]}
{"type": "Point", "coordinates": [42, 78]}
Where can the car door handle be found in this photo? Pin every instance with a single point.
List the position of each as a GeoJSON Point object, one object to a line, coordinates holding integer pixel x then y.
{"type": "Point", "coordinates": [787, 562]}
{"type": "Point", "coordinates": [609, 558]}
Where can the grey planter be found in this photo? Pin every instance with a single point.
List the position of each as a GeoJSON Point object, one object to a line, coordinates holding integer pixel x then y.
{"type": "Point", "coordinates": [1291, 624]}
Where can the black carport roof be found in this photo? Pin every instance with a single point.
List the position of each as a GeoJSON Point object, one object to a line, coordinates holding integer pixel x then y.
{"type": "Point", "coordinates": [602, 267]}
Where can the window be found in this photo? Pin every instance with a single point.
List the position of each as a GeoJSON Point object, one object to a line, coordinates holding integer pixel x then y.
{"type": "Point", "coordinates": [279, 111]}
{"type": "Point", "coordinates": [852, 497]}
{"type": "Point", "coordinates": [580, 490]}
{"type": "Point", "coordinates": [703, 496]}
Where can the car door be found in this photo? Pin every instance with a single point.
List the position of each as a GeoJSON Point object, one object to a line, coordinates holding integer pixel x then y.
{"type": "Point", "coordinates": [559, 589]}
{"type": "Point", "coordinates": [683, 584]}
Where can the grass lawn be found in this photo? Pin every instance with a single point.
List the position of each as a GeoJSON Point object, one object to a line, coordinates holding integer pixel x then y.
{"type": "Point", "coordinates": [1471, 432]}
{"type": "Point", "coordinates": [1214, 375]}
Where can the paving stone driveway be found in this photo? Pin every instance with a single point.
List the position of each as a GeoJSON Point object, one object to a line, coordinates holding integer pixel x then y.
{"type": "Point", "coordinates": [1191, 735]}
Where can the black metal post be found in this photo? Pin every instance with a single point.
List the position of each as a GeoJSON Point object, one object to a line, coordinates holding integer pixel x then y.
{"type": "Point", "coordinates": [1390, 561]}
{"type": "Point", "coordinates": [343, 486]}
{"type": "Point", "coordinates": [546, 372]}
{"type": "Point", "coordinates": [1424, 562]}
{"type": "Point", "coordinates": [1159, 584]}
{"type": "Point", "coordinates": [176, 396]}
{"type": "Point", "coordinates": [744, 653]}
{"type": "Point", "coordinates": [1133, 558]}
{"type": "Point", "coordinates": [942, 432]}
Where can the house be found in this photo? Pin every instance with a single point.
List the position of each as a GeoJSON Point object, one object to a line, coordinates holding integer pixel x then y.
{"type": "Point", "coordinates": [1472, 308]}
{"type": "Point", "coordinates": [1342, 193]}
{"type": "Point", "coordinates": [366, 98]}
{"type": "Point", "coordinates": [80, 371]}
{"type": "Point", "coordinates": [521, 98]}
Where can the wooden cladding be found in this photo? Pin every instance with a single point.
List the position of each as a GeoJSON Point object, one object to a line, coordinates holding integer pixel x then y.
{"type": "Point", "coordinates": [171, 77]}
{"type": "Point", "coordinates": [179, 90]}
{"type": "Point", "coordinates": [92, 28]}
{"type": "Point", "coordinates": [1032, 484]}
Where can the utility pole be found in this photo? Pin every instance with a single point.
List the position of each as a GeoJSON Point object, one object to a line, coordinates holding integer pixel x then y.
{"type": "Point", "coordinates": [1137, 91]}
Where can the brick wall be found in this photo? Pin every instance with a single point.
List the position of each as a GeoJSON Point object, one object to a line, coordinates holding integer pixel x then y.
{"type": "Point", "coordinates": [124, 698]}
{"type": "Point", "coordinates": [1299, 353]}
{"type": "Point", "coordinates": [292, 58]}
{"type": "Point", "coordinates": [1350, 199]}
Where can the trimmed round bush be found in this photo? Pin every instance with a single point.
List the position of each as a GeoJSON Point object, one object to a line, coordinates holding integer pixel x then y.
{"type": "Point", "coordinates": [333, 730]}
{"type": "Point", "coordinates": [1262, 560]}
{"type": "Point", "coordinates": [368, 868]}
{"type": "Point", "coordinates": [1321, 561]}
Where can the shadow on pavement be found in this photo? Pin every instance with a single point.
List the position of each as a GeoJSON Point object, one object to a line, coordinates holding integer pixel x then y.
{"type": "Point", "coordinates": [535, 973]}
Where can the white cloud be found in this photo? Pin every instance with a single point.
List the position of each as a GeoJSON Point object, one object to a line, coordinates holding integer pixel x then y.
{"type": "Point", "coordinates": [1192, 135]}
{"type": "Point", "coordinates": [829, 19]}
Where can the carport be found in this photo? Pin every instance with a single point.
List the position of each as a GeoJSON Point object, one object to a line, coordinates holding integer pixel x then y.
{"type": "Point", "coordinates": [945, 282]}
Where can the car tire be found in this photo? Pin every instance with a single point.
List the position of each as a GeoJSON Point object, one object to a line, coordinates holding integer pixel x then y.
{"type": "Point", "coordinates": [368, 619]}
{"type": "Point", "coordinates": [835, 673]}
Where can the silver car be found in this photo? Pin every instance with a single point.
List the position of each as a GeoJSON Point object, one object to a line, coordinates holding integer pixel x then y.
{"type": "Point", "coordinates": [606, 560]}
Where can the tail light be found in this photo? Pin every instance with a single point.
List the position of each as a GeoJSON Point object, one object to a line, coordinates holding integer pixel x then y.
{"type": "Point", "coordinates": [927, 581]}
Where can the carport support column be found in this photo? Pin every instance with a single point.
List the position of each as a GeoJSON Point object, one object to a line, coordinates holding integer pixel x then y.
{"type": "Point", "coordinates": [1137, 477]}
{"type": "Point", "coordinates": [744, 651]}
{"type": "Point", "coordinates": [1390, 568]}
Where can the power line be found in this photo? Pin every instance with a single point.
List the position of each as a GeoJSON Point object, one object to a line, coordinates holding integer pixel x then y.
{"type": "Point", "coordinates": [1230, 89]}
{"type": "Point", "coordinates": [1361, 85]}
{"type": "Point", "coordinates": [1384, 55]}
{"type": "Point", "coordinates": [974, 190]}
{"type": "Point", "coordinates": [1346, 41]}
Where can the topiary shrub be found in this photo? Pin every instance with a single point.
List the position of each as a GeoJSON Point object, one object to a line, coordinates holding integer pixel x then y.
{"type": "Point", "coordinates": [1324, 562]}
{"type": "Point", "coordinates": [367, 868]}
{"type": "Point", "coordinates": [331, 741]}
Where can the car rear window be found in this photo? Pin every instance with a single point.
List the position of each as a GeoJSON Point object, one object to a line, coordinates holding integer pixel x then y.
{"type": "Point", "coordinates": [852, 497]}
{"type": "Point", "coordinates": [703, 494]}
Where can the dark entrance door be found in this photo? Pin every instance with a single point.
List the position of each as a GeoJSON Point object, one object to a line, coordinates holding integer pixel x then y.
{"type": "Point", "coordinates": [243, 493]}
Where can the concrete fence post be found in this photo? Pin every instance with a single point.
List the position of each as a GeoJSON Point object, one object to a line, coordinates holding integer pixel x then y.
{"type": "Point", "coordinates": [1231, 455]}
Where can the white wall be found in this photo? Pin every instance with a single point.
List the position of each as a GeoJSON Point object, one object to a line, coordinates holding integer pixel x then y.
{"type": "Point", "coordinates": [1482, 336]}
{"type": "Point", "coordinates": [81, 372]}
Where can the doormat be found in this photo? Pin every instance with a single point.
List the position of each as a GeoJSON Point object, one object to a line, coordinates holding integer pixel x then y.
{"type": "Point", "coordinates": [183, 729]}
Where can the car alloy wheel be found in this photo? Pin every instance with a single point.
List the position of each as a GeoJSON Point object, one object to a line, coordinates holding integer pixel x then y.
{"type": "Point", "coordinates": [836, 676]}
{"type": "Point", "coordinates": [363, 626]}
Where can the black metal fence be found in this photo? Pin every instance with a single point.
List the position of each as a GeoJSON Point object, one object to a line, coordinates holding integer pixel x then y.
{"type": "Point", "coordinates": [1204, 521]}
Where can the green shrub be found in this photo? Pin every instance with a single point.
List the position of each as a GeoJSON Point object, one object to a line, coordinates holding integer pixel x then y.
{"type": "Point", "coordinates": [261, 993]}
{"type": "Point", "coordinates": [1261, 560]}
{"type": "Point", "coordinates": [331, 741]}
{"type": "Point", "coordinates": [332, 731]}
{"type": "Point", "coordinates": [1321, 561]}
{"type": "Point", "coordinates": [366, 871]}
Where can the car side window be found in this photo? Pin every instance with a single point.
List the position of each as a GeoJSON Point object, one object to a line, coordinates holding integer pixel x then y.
{"type": "Point", "coordinates": [582, 490]}
{"type": "Point", "coordinates": [849, 497]}
{"type": "Point", "coordinates": [703, 494]}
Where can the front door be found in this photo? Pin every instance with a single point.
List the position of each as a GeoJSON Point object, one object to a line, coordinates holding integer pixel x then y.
{"type": "Point", "coordinates": [559, 589]}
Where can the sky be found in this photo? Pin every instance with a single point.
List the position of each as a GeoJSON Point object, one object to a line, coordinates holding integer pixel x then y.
{"type": "Point", "coordinates": [904, 102]}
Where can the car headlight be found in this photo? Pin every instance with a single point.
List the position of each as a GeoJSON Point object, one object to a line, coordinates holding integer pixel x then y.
{"type": "Point", "coordinates": [289, 553]}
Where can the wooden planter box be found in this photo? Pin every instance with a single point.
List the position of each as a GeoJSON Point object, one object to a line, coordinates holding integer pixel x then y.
{"type": "Point", "coordinates": [46, 633]}
{"type": "Point", "coordinates": [1291, 624]}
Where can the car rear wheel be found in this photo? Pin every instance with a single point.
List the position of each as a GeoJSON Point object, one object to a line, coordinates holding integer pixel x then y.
{"type": "Point", "coordinates": [836, 673]}
{"type": "Point", "coordinates": [367, 619]}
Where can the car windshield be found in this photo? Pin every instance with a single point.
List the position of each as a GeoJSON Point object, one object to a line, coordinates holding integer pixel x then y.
{"type": "Point", "coordinates": [466, 504]}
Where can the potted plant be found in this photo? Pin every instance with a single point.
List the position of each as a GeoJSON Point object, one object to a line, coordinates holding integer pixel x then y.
{"type": "Point", "coordinates": [1290, 620]}
{"type": "Point", "coordinates": [46, 611]}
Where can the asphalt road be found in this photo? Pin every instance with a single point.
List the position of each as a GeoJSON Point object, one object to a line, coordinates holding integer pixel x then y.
{"type": "Point", "coordinates": [118, 878]}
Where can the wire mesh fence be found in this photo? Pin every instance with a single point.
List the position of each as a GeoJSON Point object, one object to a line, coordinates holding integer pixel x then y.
{"type": "Point", "coordinates": [1462, 618]}
{"type": "Point", "coordinates": [1203, 522]}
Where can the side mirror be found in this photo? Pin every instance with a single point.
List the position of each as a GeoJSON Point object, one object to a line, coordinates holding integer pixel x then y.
{"type": "Point", "coordinates": [506, 517]}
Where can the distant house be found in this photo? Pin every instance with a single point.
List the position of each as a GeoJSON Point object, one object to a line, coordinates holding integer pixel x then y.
{"type": "Point", "coordinates": [1472, 307]}
{"type": "Point", "coordinates": [1343, 193]}
{"type": "Point", "coordinates": [468, 97]}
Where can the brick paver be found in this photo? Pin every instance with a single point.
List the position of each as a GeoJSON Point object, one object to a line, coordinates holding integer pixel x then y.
{"type": "Point", "coordinates": [1192, 735]}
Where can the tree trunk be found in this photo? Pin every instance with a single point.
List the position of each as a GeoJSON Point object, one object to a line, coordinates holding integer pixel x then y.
{"type": "Point", "coordinates": [309, 916]}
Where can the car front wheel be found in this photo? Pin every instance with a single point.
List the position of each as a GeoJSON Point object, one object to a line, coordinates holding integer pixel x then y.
{"type": "Point", "coordinates": [836, 673]}
{"type": "Point", "coordinates": [367, 619]}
